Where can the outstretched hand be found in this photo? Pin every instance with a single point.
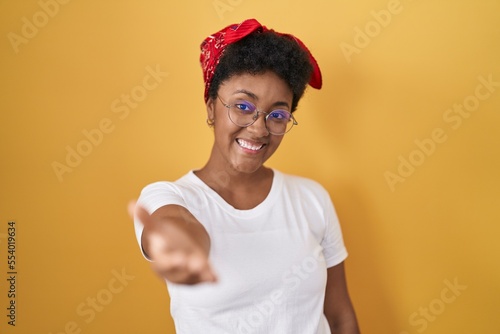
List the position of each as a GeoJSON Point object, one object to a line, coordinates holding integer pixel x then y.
{"type": "Point", "coordinates": [176, 252]}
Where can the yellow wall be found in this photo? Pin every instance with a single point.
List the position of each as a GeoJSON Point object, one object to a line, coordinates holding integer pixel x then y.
{"type": "Point", "coordinates": [414, 179]}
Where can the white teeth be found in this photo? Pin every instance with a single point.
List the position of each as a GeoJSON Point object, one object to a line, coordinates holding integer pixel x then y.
{"type": "Point", "coordinates": [249, 146]}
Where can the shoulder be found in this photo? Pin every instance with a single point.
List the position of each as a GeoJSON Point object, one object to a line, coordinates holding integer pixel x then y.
{"type": "Point", "coordinates": [177, 186]}
{"type": "Point", "coordinates": [305, 190]}
{"type": "Point", "coordinates": [160, 193]}
{"type": "Point", "coordinates": [302, 184]}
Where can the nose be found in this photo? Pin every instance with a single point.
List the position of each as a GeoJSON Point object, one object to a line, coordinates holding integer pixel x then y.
{"type": "Point", "coordinates": [258, 128]}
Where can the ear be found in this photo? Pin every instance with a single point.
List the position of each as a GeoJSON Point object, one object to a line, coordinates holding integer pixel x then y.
{"type": "Point", "coordinates": [210, 109]}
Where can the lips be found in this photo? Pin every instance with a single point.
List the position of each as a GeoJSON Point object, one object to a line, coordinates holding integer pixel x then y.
{"type": "Point", "coordinates": [250, 145]}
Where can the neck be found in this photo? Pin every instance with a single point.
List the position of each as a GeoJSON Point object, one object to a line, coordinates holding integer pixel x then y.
{"type": "Point", "coordinates": [223, 179]}
{"type": "Point", "coordinates": [242, 190]}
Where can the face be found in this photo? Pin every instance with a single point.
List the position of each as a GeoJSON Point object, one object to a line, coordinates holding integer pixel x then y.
{"type": "Point", "coordinates": [246, 149]}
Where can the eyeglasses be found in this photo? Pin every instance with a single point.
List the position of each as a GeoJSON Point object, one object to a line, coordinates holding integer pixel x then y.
{"type": "Point", "coordinates": [243, 113]}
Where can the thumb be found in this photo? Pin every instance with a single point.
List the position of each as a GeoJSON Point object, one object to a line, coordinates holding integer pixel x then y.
{"type": "Point", "coordinates": [131, 208]}
{"type": "Point", "coordinates": [136, 210]}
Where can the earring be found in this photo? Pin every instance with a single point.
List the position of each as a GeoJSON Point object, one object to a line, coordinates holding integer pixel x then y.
{"type": "Point", "coordinates": [210, 122]}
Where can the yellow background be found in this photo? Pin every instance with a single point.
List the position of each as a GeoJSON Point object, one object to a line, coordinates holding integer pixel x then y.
{"type": "Point", "coordinates": [405, 241]}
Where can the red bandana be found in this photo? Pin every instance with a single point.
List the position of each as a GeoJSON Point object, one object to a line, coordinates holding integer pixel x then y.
{"type": "Point", "coordinates": [213, 47]}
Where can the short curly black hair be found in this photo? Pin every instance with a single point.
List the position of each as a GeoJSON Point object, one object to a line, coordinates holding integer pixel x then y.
{"type": "Point", "coordinates": [265, 51]}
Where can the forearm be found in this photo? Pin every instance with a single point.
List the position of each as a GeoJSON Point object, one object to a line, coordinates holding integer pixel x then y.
{"type": "Point", "coordinates": [338, 309]}
{"type": "Point", "coordinates": [177, 244]}
{"type": "Point", "coordinates": [347, 325]}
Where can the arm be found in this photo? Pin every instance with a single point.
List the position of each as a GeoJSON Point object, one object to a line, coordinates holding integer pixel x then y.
{"type": "Point", "coordinates": [338, 307]}
{"type": "Point", "coordinates": [177, 244]}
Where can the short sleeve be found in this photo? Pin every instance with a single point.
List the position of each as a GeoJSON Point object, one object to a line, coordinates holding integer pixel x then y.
{"type": "Point", "coordinates": [334, 249]}
{"type": "Point", "coordinates": [153, 197]}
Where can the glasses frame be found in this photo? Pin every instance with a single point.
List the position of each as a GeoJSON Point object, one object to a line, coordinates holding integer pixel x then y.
{"type": "Point", "coordinates": [255, 117]}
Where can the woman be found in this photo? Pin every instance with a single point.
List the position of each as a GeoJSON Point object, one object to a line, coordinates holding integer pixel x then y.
{"type": "Point", "coordinates": [245, 248]}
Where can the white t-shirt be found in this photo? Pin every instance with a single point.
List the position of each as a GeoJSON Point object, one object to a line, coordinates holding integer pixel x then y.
{"type": "Point", "coordinates": [270, 261]}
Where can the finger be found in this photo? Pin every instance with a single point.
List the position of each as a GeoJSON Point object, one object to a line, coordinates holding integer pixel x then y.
{"type": "Point", "coordinates": [131, 208]}
{"type": "Point", "coordinates": [208, 275]}
{"type": "Point", "coordinates": [171, 262]}
{"type": "Point", "coordinates": [200, 266]}
{"type": "Point", "coordinates": [158, 247]}
{"type": "Point", "coordinates": [175, 271]}
{"type": "Point", "coordinates": [137, 211]}
{"type": "Point", "coordinates": [185, 276]}
{"type": "Point", "coordinates": [179, 267]}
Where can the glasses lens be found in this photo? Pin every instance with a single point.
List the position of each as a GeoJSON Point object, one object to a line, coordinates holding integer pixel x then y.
{"type": "Point", "coordinates": [242, 113]}
{"type": "Point", "coordinates": [279, 122]}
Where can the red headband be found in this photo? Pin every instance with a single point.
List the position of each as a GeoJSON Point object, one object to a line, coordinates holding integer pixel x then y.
{"type": "Point", "coordinates": [213, 47]}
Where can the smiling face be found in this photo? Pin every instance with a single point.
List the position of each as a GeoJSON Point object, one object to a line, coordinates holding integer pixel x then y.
{"type": "Point", "coordinates": [244, 150]}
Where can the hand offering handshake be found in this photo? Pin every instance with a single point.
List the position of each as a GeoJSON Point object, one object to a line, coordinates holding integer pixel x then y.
{"type": "Point", "coordinates": [176, 243]}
